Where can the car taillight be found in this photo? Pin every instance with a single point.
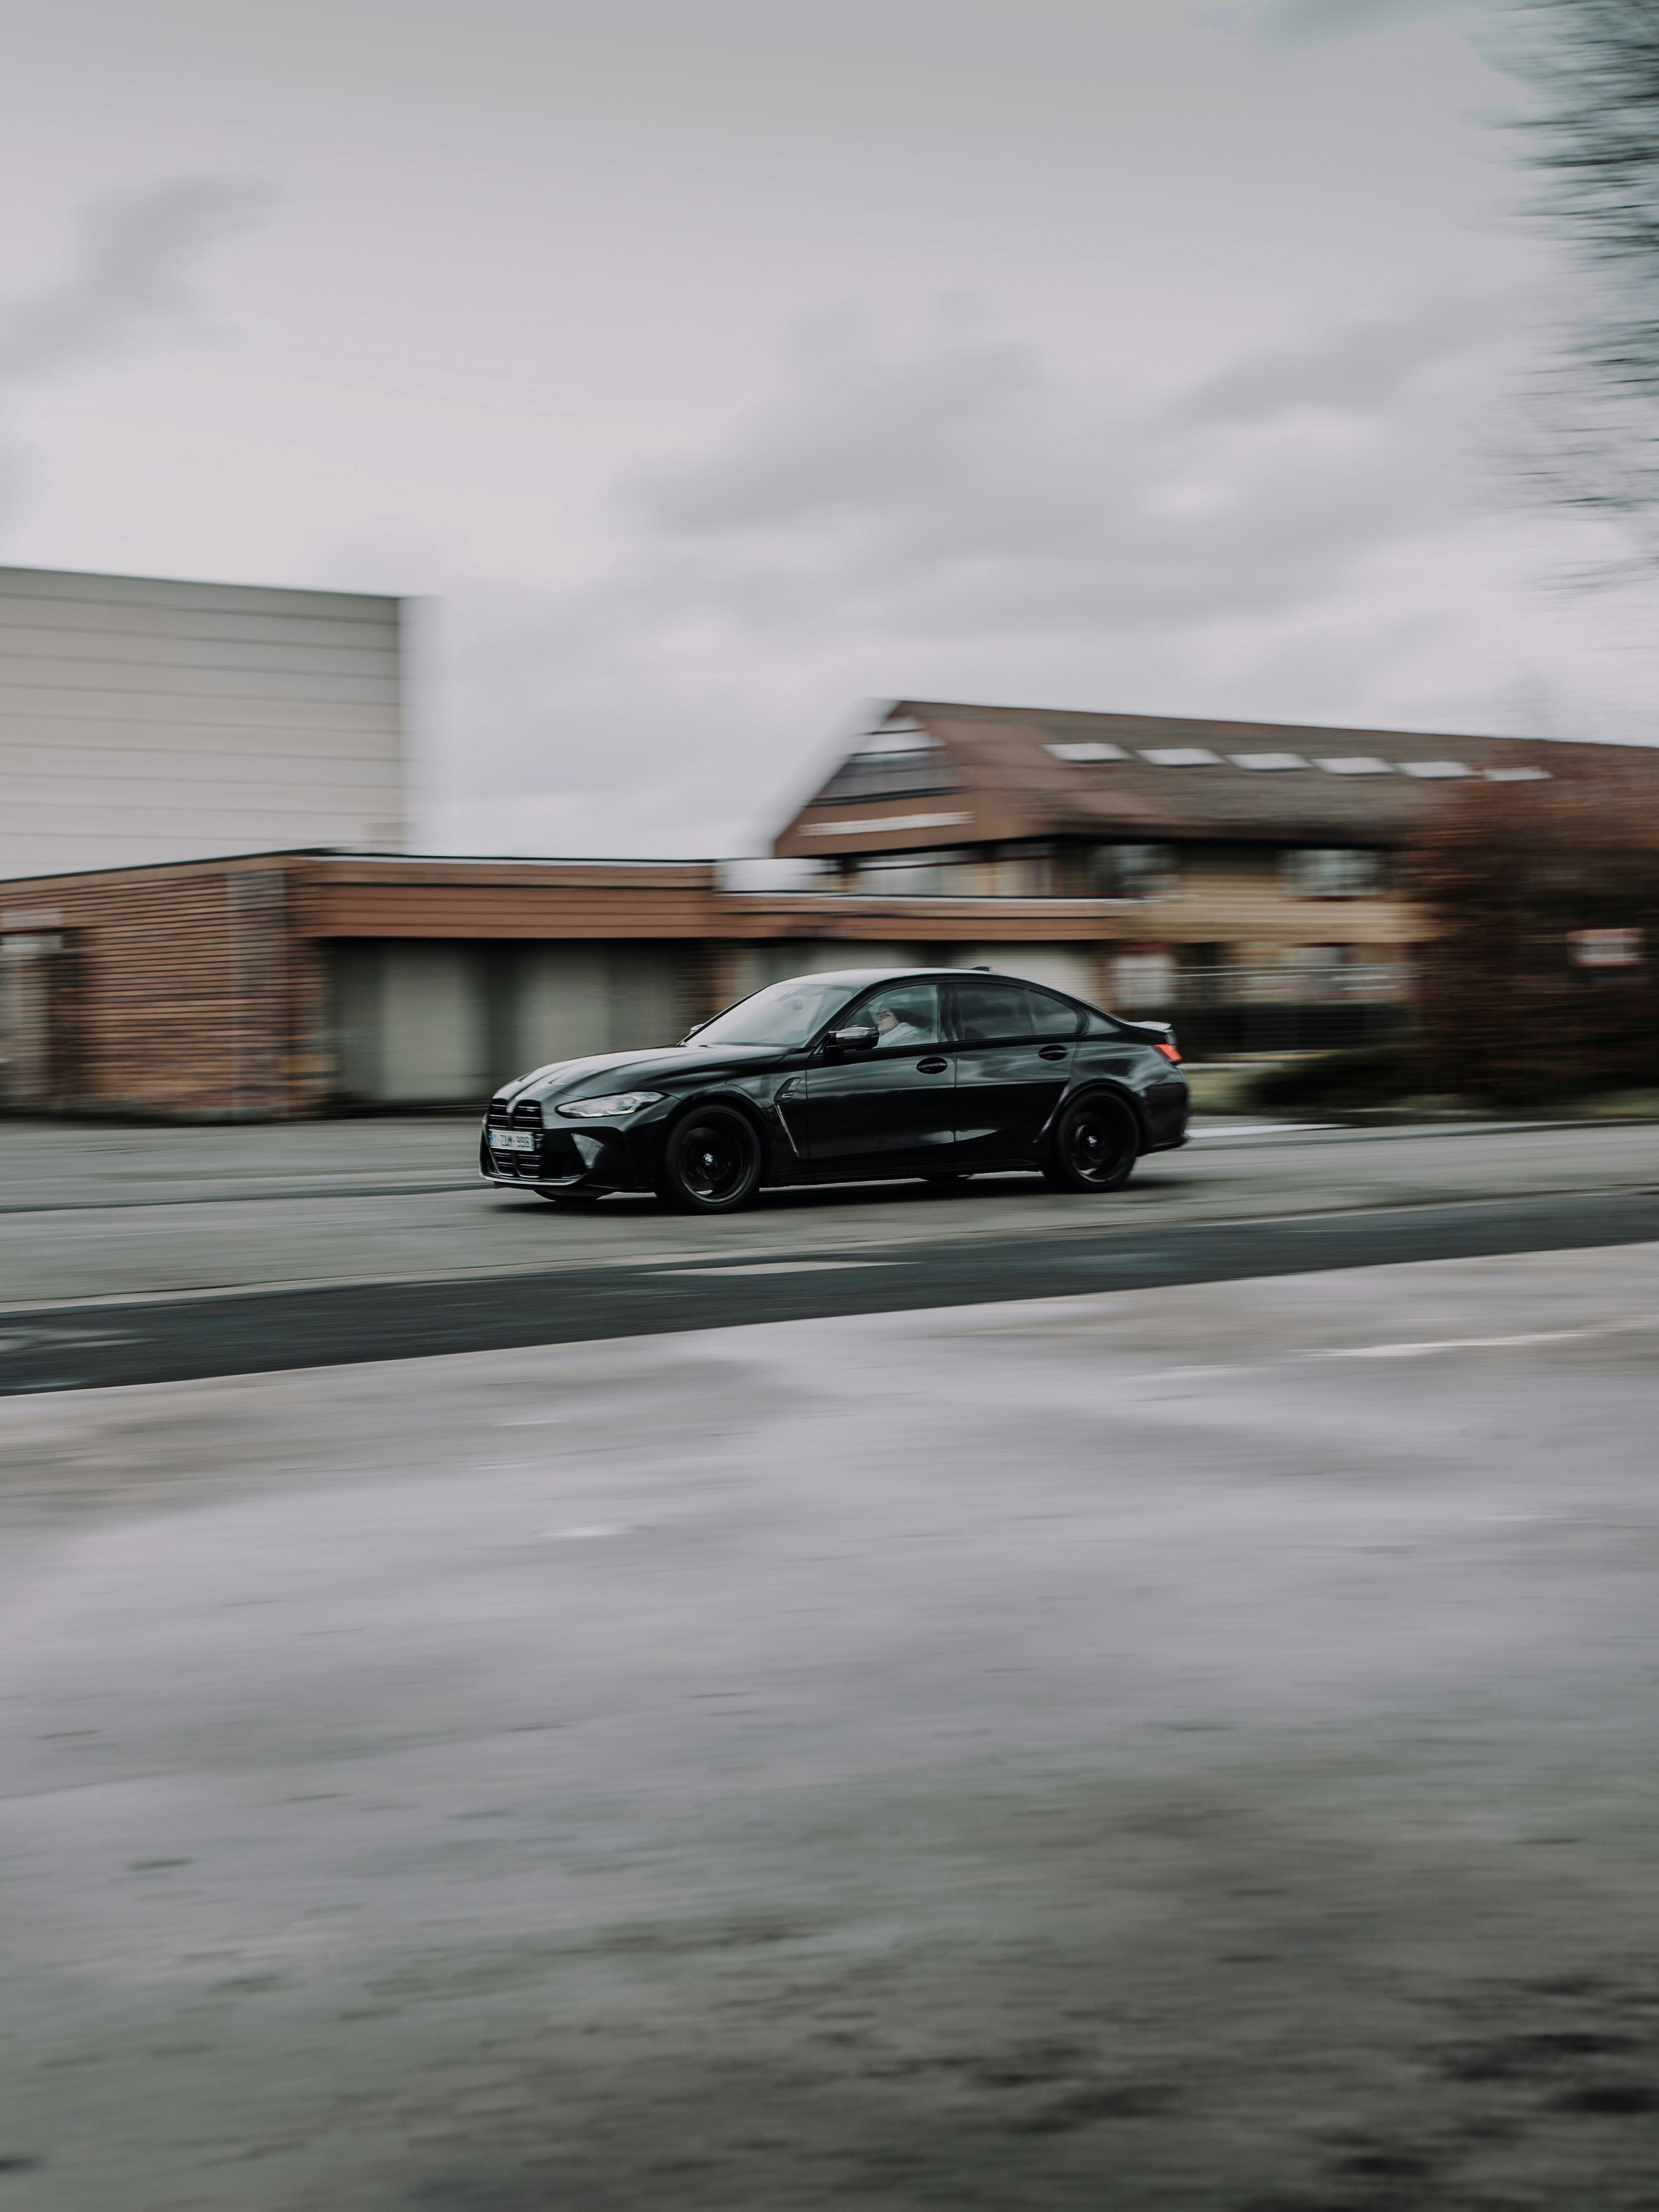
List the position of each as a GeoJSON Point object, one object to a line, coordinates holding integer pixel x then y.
{"type": "Point", "coordinates": [1169, 1052]}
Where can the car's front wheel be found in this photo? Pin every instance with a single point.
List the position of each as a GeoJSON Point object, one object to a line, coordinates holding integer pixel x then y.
{"type": "Point", "coordinates": [1095, 1145]}
{"type": "Point", "coordinates": [711, 1162]}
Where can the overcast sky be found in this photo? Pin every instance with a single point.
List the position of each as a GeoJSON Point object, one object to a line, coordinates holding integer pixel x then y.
{"type": "Point", "coordinates": [712, 370]}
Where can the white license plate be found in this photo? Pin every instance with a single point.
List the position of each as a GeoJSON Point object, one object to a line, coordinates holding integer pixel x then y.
{"type": "Point", "coordinates": [513, 1140]}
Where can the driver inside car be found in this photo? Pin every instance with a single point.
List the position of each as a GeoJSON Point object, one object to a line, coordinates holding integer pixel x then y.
{"type": "Point", "coordinates": [896, 1030]}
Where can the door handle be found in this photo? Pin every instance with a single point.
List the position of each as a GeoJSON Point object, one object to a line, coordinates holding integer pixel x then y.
{"type": "Point", "coordinates": [932, 1066]}
{"type": "Point", "coordinates": [1054, 1052]}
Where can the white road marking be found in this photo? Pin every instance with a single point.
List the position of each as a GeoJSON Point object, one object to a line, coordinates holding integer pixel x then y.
{"type": "Point", "coordinates": [1444, 1344]}
{"type": "Point", "coordinates": [1228, 1129]}
{"type": "Point", "coordinates": [780, 1268]}
{"type": "Point", "coordinates": [1458, 1344]}
{"type": "Point", "coordinates": [678, 1259]}
{"type": "Point", "coordinates": [1419, 1350]}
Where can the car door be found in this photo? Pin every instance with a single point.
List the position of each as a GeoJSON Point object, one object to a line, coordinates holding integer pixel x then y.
{"type": "Point", "coordinates": [1013, 1050]}
{"type": "Point", "coordinates": [888, 1111]}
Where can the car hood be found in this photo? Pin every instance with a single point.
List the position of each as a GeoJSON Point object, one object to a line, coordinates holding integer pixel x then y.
{"type": "Point", "coordinates": [634, 1068]}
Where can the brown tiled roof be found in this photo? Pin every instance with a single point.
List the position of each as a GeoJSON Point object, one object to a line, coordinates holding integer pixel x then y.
{"type": "Point", "coordinates": [995, 777]}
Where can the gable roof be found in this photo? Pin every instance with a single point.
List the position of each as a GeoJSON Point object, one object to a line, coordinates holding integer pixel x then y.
{"type": "Point", "coordinates": [933, 774]}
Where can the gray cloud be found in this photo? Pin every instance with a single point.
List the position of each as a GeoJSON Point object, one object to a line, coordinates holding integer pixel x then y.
{"type": "Point", "coordinates": [959, 516]}
{"type": "Point", "coordinates": [1356, 368]}
{"type": "Point", "coordinates": [1304, 22]}
{"type": "Point", "coordinates": [854, 432]}
{"type": "Point", "coordinates": [967, 483]}
{"type": "Point", "coordinates": [132, 277]}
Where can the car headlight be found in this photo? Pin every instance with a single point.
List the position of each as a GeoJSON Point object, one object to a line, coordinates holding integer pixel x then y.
{"type": "Point", "coordinates": [619, 1102]}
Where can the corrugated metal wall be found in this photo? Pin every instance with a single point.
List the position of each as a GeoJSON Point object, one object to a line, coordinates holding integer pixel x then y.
{"type": "Point", "coordinates": [143, 721]}
{"type": "Point", "coordinates": [432, 1022]}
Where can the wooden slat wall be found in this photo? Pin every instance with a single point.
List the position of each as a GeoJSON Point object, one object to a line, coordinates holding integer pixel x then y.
{"type": "Point", "coordinates": [484, 900]}
{"type": "Point", "coordinates": [936, 921]}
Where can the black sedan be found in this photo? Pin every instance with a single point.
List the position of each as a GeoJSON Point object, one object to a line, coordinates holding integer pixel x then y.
{"type": "Point", "coordinates": [844, 1077]}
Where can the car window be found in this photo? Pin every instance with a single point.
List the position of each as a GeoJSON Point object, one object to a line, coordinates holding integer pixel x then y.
{"type": "Point", "coordinates": [1052, 1017]}
{"type": "Point", "coordinates": [905, 1014]}
{"type": "Point", "coordinates": [992, 1013]}
{"type": "Point", "coordinates": [782, 1014]}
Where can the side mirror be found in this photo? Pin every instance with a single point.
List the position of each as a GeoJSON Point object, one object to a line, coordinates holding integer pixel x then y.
{"type": "Point", "coordinates": [861, 1038]}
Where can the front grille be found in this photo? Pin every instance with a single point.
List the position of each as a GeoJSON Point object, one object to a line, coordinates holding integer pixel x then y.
{"type": "Point", "coordinates": [555, 1159]}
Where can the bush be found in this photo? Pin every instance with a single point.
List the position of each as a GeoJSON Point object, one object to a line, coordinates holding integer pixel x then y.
{"type": "Point", "coordinates": [1505, 875]}
{"type": "Point", "coordinates": [1368, 1075]}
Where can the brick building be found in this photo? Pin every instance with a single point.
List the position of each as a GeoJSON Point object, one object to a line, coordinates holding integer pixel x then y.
{"type": "Point", "coordinates": [278, 984]}
{"type": "Point", "coordinates": [1240, 878]}
{"type": "Point", "coordinates": [1248, 867]}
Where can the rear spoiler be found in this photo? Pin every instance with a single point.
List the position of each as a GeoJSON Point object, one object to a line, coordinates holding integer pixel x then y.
{"type": "Point", "coordinates": [1159, 1035]}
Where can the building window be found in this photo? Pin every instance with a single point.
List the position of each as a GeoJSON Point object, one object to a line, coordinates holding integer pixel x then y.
{"type": "Point", "coordinates": [1086, 751]}
{"type": "Point", "coordinates": [1026, 872]}
{"type": "Point", "coordinates": [1134, 872]}
{"type": "Point", "coordinates": [1605, 948]}
{"type": "Point", "coordinates": [1144, 982]}
{"type": "Point", "coordinates": [900, 762]}
{"type": "Point", "coordinates": [1333, 871]}
{"type": "Point", "coordinates": [909, 875]}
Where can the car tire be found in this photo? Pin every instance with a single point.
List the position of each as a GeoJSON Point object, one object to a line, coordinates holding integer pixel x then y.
{"type": "Point", "coordinates": [710, 1162]}
{"type": "Point", "coordinates": [571, 1197]}
{"type": "Point", "coordinates": [1095, 1145]}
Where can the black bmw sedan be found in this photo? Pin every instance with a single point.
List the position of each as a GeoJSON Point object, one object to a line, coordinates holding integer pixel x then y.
{"type": "Point", "coordinates": [847, 1076]}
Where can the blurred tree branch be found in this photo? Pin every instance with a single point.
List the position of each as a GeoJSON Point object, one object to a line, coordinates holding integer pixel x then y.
{"type": "Point", "coordinates": [1593, 142]}
{"type": "Point", "coordinates": [1505, 877]}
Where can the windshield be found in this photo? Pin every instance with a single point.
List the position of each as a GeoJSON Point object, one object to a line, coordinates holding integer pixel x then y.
{"type": "Point", "coordinates": [782, 1014]}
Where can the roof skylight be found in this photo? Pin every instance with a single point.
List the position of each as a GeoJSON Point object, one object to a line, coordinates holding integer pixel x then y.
{"type": "Point", "coordinates": [1354, 764]}
{"type": "Point", "coordinates": [1181, 756]}
{"type": "Point", "coordinates": [1517, 775]}
{"type": "Point", "coordinates": [1433, 768]}
{"type": "Point", "coordinates": [1267, 760]}
{"type": "Point", "coordinates": [1086, 749]}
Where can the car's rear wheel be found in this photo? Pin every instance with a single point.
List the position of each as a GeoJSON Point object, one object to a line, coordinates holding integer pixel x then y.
{"type": "Point", "coordinates": [711, 1162]}
{"type": "Point", "coordinates": [571, 1197]}
{"type": "Point", "coordinates": [1094, 1146]}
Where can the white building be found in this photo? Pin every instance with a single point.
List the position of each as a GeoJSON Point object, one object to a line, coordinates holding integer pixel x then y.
{"type": "Point", "coordinates": [142, 719]}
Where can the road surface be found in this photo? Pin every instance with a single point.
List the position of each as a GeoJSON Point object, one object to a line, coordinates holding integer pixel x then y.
{"type": "Point", "coordinates": [167, 1255]}
{"type": "Point", "coordinates": [1163, 1748]}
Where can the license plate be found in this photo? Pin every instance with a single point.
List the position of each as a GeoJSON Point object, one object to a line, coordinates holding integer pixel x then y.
{"type": "Point", "coordinates": [512, 1140]}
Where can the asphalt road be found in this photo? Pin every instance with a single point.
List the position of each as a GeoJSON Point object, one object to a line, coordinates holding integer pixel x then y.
{"type": "Point", "coordinates": [180, 1338]}
{"type": "Point", "coordinates": [132, 1256]}
{"type": "Point", "coordinates": [1170, 1750]}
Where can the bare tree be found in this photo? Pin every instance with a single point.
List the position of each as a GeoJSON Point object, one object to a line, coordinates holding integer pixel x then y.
{"type": "Point", "coordinates": [1511, 880]}
{"type": "Point", "coordinates": [1593, 142]}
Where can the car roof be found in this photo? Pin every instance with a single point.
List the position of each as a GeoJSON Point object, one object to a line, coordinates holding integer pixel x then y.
{"type": "Point", "coordinates": [853, 977]}
{"type": "Point", "coordinates": [886, 975]}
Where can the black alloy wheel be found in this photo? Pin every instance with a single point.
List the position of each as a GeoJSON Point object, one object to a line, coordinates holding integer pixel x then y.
{"type": "Point", "coordinates": [711, 1162]}
{"type": "Point", "coordinates": [1095, 1146]}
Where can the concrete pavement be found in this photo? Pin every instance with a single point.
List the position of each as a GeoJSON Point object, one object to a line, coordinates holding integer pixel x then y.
{"type": "Point", "coordinates": [1180, 1749]}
